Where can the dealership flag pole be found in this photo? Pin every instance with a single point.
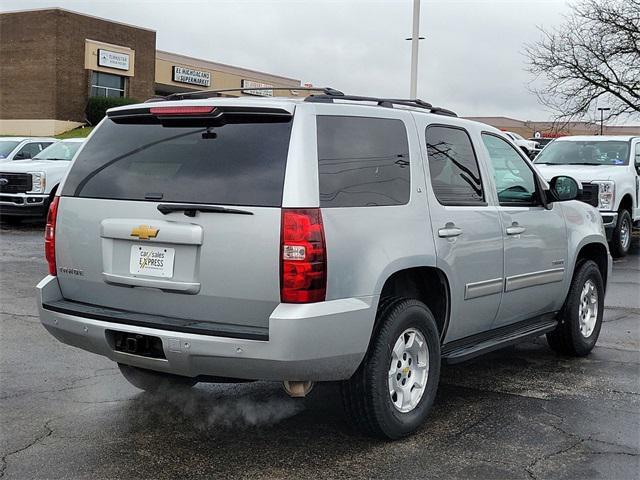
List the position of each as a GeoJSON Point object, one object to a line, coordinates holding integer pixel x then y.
{"type": "Point", "coordinates": [415, 38]}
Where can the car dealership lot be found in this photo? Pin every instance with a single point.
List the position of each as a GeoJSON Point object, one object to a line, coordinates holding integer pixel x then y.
{"type": "Point", "coordinates": [518, 413]}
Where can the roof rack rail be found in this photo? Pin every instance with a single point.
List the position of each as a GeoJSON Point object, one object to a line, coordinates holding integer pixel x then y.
{"type": "Point", "coordinates": [326, 95]}
{"type": "Point", "coordinates": [382, 102]}
{"type": "Point", "coordinates": [218, 93]}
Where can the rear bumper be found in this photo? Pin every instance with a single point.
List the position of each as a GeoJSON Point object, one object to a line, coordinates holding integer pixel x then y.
{"type": "Point", "coordinates": [321, 341]}
{"type": "Point", "coordinates": [23, 205]}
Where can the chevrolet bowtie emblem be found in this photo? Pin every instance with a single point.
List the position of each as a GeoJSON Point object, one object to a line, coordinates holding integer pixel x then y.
{"type": "Point", "coordinates": [145, 232]}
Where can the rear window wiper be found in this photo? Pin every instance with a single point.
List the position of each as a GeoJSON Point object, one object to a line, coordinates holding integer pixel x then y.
{"type": "Point", "coordinates": [190, 210]}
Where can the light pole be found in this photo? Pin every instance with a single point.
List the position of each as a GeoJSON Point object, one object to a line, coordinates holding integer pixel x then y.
{"type": "Point", "coordinates": [602, 110]}
{"type": "Point", "coordinates": [415, 38]}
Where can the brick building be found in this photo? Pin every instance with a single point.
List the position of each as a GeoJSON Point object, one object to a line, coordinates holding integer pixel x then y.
{"type": "Point", "coordinates": [53, 60]}
{"type": "Point", "coordinates": [551, 130]}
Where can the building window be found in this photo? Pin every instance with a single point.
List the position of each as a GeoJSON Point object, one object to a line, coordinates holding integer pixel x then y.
{"type": "Point", "coordinates": [107, 85]}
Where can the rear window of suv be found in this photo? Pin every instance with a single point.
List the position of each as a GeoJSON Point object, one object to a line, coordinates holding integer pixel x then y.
{"type": "Point", "coordinates": [232, 164]}
{"type": "Point", "coordinates": [362, 161]}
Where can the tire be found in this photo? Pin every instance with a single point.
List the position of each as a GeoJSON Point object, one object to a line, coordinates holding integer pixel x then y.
{"type": "Point", "coordinates": [151, 381]}
{"type": "Point", "coordinates": [47, 202]}
{"type": "Point", "coordinates": [367, 396]}
{"type": "Point", "coordinates": [621, 238]}
{"type": "Point", "coordinates": [11, 220]}
{"type": "Point", "coordinates": [573, 337]}
{"type": "Point", "coordinates": [45, 208]}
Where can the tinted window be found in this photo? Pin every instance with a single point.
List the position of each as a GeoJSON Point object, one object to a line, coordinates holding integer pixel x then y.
{"type": "Point", "coordinates": [588, 152]}
{"type": "Point", "coordinates": [455, 176]}
{"type": "Point", "coordinates": [233, 164]}
{"type": "Point", "coordinates": [515, 181]}
{"type": "Point", "coordinates": [637, 154]}
{"type": "Point", "coordinates": [362, 161]}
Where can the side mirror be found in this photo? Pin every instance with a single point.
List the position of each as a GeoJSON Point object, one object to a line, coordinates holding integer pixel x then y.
{"type": "Point", "coordinates": [562, 188]}
{"type": "Point", "coordinates": [21, 156]}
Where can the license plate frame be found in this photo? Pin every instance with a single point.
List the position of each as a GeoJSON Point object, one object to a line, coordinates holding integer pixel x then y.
{"type": "Point", "coordinates": [152, 261]}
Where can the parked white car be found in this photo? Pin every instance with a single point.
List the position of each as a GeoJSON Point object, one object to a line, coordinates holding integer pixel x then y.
{"type": "Point", "coordinates": [609, 169]}
{"type": "Point", "coordinates": [26, 186]}
{"type": "Point", "coordinates": [529, 147]}
{"type": "Point", "coordinates": [22, 148]}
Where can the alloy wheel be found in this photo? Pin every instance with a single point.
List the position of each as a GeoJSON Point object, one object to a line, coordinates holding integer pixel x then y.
{"type": "Point", "coordinates": [409, 370]}
{"type": "Point", "coordinates": [588, 310]}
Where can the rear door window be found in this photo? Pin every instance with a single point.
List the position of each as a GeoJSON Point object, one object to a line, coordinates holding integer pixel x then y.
{"type": "Point", "coordinates": [455, 175]}
{"type": "Point", "coordinates": [230, 164]}
{"type": "Point", "coordinates": [362, 161]}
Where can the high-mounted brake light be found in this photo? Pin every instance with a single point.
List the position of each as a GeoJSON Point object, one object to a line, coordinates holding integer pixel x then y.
{"type": "Point", "coordinates": [182, 110]}
{"type": "Point", "coordinates": [50, 236]}
{"type": "Point", "coordinates": [303, 256]}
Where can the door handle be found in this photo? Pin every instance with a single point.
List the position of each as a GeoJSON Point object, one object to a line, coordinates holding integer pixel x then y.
{"type": "Point", "coordinates": [515, 229]}
{"type": "Point", "coordinates": [449, 230]}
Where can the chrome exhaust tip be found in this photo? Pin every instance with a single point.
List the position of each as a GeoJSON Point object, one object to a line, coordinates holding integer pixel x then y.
{"type": "Point", "coordinates": [297, 389]}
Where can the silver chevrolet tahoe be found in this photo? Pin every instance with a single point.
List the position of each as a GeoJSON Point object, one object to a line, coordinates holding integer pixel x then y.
{"type": "Point", "coordinates": [325, 238]}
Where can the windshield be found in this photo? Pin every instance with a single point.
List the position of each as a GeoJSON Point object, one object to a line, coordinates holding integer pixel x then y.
{"type": "Point", "coordinates": [587, 152]}
{"type": "Point", "coordinates": [6, 147]}
{"type": "Point", "coordinates": [59, 151]}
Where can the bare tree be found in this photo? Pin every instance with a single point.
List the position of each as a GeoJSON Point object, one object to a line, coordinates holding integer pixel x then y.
{"type": "Point", "coordinates": [593, 58]}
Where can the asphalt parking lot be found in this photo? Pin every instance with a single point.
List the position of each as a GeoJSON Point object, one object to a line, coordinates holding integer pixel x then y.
{"type": "Point", "coordinates": [522, 412]}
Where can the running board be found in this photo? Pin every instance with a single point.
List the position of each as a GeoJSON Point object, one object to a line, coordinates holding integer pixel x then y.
{"type": "Point", "coordinates": [467, 348]}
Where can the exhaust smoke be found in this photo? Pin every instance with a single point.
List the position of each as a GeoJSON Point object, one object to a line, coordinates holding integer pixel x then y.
{"type": "Point", "coordinates": [222, 405]}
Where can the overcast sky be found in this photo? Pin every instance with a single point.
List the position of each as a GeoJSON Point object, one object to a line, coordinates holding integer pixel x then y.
{"type": "Point", "coordinates": [471, 60]}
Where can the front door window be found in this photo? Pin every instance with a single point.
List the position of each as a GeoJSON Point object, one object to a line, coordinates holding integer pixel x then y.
{"type": "Point", "coordinates": [514, 179]}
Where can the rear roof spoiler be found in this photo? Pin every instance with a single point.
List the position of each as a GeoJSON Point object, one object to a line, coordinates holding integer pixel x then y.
{"type": "Point", "coordinates": [154, 114]}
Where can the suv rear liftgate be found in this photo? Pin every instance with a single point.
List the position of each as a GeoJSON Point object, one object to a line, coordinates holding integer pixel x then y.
{"type": "Point", "coordinates": [178, 200]}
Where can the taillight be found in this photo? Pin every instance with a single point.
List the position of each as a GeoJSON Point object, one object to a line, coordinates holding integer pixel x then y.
{"type": "Point", "coordinates": [303, 267]}
{"type": "Point", "coordinates": [50, 236]}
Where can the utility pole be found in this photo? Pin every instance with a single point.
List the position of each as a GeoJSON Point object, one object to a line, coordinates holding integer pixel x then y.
{"type": "Point", "coordinates": [602, 110]}
{"type": "Point", "coordinates": [415, 38]}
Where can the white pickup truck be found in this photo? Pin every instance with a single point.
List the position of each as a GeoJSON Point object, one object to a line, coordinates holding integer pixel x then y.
{"type": "Point", "coordinates": [529, 147]}
{"type": "Point", "coordinates": [27, 186]}
{"type": "Point", "coordinates": [609, 169]}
